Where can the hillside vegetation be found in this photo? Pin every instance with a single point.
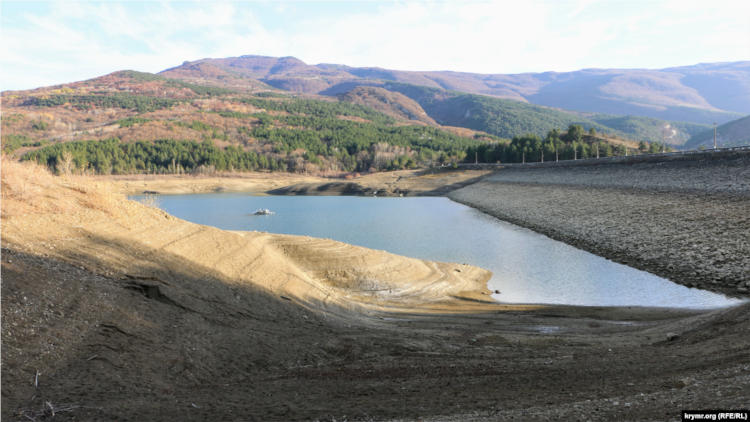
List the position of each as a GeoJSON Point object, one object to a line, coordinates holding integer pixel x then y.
{"type": "Point", "coordinates": [702, 93]}
{"type": "Point", "coordinates": [508, 118]}
{"type": "Point", "coordinates": [134, 122]}
{"type": "Point", "coordinates": [573, 144]}
{"type": "Point", "coordinates": [502, 105]}
{"type": "Point", "coordinates": [503, 118]}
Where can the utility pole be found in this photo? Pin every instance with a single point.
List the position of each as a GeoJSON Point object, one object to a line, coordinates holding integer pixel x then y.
{"type": "Point", "coordinates": [542, 154]}
{"type": "Point", "coordinates": [476, 157]}
{"type": "Point", "coordinates": [714, 135]}
{"type": "Point", "coordinates": [523, 157]}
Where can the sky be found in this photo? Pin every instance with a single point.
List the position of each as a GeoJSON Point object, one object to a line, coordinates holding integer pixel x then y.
{"type": "Point", "coordinates": [48, 43]}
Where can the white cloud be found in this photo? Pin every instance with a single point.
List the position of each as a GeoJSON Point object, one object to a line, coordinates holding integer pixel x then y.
{"type": "Point", "coordinates": [78, 40]}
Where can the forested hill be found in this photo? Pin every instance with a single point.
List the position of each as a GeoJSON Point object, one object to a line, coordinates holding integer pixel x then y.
{"type": "Point", "coordinates": [133, 122]}
{"type": "Point", "coordinates": [703, 93]}
{"type": "Point", "coordinates": [130, 122]}
{"type": "Point", "coordinates": [509, 118]}
{"type": "Point", "coordinates": [459, 100]}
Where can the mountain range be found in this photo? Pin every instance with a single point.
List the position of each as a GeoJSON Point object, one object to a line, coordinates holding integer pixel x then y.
{"type": "Point", "coordinates": [702, 93]}
{"type": "Point", "coordinates": [253, 112]}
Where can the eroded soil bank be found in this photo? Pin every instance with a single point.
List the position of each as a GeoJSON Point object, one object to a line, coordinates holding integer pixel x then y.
{"type": "Point", "coordinates": [688, 221]}
{"type": "Point", "coordinates": [109, 348]}
{"type": "Point", "coordinates": [431, 182]}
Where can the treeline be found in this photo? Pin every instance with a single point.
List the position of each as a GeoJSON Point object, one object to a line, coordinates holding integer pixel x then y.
{"type": "Point", "coordinates": [324, 135]}
{"type": "Point", "coordinates": [163, 156]}
{"type": "Point", "coordinates": [13, 141]}
{"type": "Point", "coordinates": [132, 121]}
{"type": "Point", "coordinates": [140, 103]}
{"type": "Point", "coordinates": [293, 150]}
{"type": "Point", "coordinates": [573, 144]}
{"type": "Point", "coordinates": [320, 109]}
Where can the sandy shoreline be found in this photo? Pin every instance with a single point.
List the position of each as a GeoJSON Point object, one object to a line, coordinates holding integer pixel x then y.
{"type": "Point", "coordinates": [187, 184]}
{"type": "Point", "coordinates": [131, 314]}
{"type": "Point", "coordinates": [396, 183]}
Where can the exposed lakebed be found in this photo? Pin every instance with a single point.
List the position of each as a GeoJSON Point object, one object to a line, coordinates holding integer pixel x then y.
{"type": "Point", "coordinates": [527, 267]}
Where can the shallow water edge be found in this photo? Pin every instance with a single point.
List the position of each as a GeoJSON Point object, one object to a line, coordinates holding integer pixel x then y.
{"type": "Point", "coordinates": [527, 267]}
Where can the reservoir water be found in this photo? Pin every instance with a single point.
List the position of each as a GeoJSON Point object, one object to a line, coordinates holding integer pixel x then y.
{"type": "Point", "coordinates": [527, 267]}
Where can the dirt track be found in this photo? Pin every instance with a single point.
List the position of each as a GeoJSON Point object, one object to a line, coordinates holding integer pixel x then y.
{"type": "Point", "coordinates": [129, 314]}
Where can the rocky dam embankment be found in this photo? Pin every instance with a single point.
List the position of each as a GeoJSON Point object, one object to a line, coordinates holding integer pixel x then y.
{"type": "Point", "coordinates": [687, 220]}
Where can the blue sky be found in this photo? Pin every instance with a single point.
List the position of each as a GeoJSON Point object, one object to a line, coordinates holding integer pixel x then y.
{"type": "Point", "coordinates": [46, 43]}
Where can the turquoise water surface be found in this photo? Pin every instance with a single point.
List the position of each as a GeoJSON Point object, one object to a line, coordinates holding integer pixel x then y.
{"type": "Point", "coordinates": [527, 267]}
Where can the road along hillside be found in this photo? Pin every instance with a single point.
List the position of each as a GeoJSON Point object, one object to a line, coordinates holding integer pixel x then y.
{"type": "Point", "coordinates": [687, 220]}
